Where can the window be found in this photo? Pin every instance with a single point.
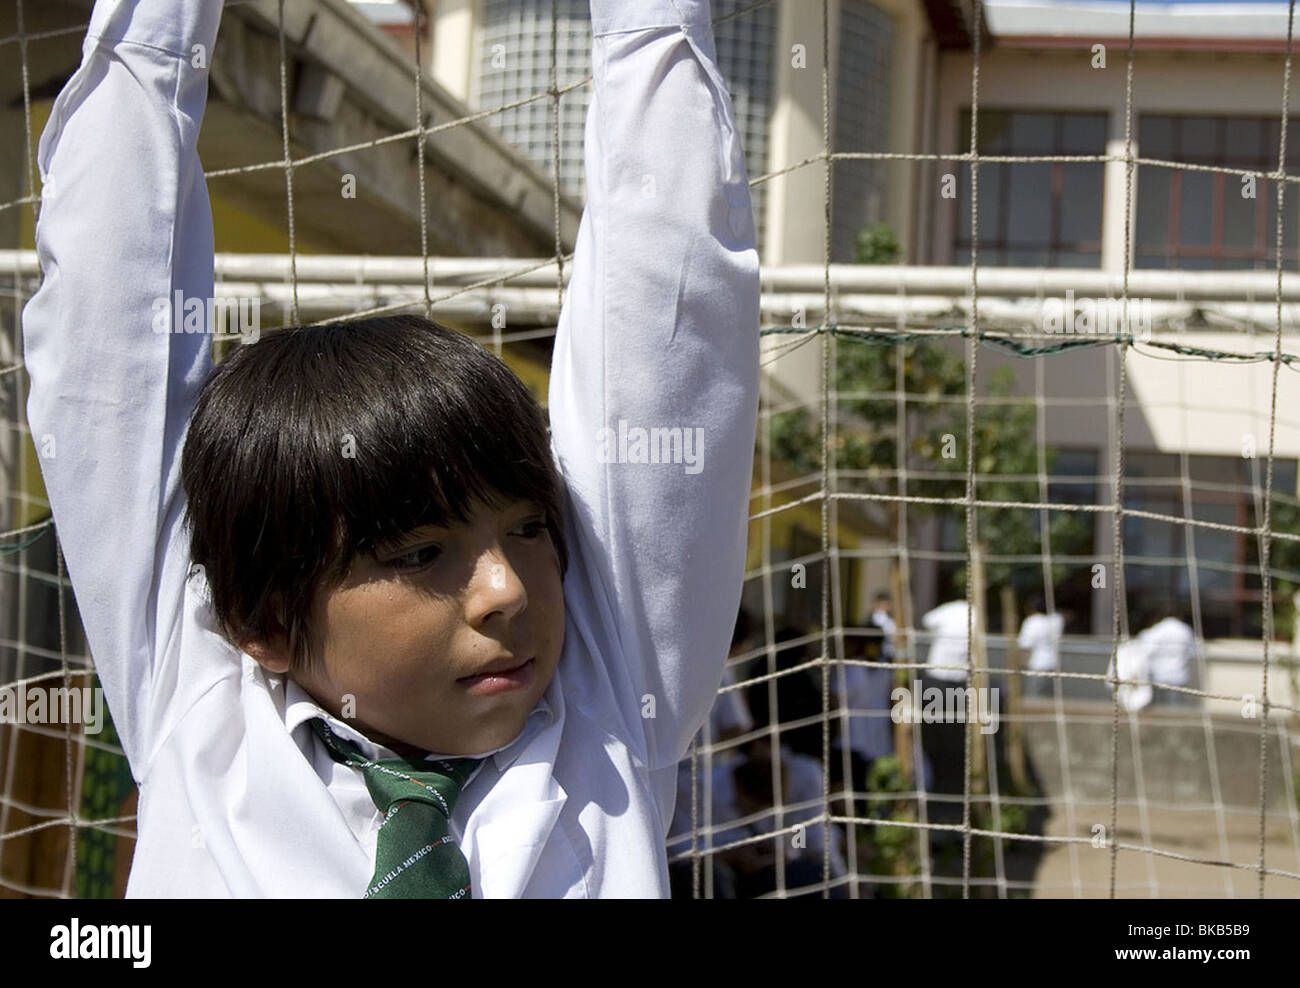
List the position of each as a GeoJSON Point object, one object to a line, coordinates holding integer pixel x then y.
{"type": "Point", "coordinates": [1033, 214]}
{"type": "Point", "coordinates": [514, 63]}
{"type": "Point", "coordinates": [1158, 554]}
{"type": "Point", "coordinates": [1208, 220]}
{"type": "Point", "coordinates": [861, 123]}
{"type": "Point", "coordinates": [746, 53]}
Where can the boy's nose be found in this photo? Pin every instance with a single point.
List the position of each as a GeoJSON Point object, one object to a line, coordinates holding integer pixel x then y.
{"type": "Point", "coordinates": [496, 588]}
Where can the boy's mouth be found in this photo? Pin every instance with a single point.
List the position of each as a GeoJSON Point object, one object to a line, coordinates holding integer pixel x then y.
{"type": "Point", "coordinates": [499, 678]}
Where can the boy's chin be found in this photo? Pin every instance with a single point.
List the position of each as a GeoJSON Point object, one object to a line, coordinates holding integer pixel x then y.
{"type": "Point", "coordinates": [470, 744]}
{"type": "Point", "coordinates": [492, 740]}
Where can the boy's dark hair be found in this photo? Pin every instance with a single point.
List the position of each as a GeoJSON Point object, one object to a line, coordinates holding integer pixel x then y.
{"type": "Point", "coordinates": [320, 443]}
{"type": "Point", "coordinates": [1034, 604]}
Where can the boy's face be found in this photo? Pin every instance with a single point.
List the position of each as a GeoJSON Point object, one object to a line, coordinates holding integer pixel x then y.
{"type": "Point", "coordinates": [411, 636]}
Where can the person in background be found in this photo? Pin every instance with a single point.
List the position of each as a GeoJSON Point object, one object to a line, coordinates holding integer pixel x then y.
{"type": "Point", "coordinates": [882, 617]}
{"type": "Point", "coordinates": [863, 696]}
{"type": "Point", "coordinates": [803, 850]}
{"type": "Point", "coordinates": [1040, 634]}
{"type": "Point", "coordinates": [942, 743]}
{"type": "Point", "coordinates": [948, 623]}
{"type": "Point", "coordinates": [1171, 647]}
{"type": "Point", "coordinates": [715, 795]}
{"type": "Point", "coordinates": [798, 691]}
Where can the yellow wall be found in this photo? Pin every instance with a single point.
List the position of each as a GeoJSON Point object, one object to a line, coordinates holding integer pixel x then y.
{"type": "Point", "coordinates": [807, 518]}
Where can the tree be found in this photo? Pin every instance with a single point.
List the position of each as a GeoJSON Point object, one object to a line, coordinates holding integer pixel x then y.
{"type": "Point", "coordinates": [876, 244]}
{"type": "Point", "coordinates": [933, 441]}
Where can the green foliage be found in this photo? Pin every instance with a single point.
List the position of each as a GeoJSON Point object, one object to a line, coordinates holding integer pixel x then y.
{"type": "Point", "coordinates": [1010, 818]}
{"type": "Point", "coordinates": [106, 782]}
{"type": "Point", "coordinates": [795, 440]}
{"type": "Point", "coordinates": [894, 851]}
{"type": "Point", "coordinates": [876, 244]}
{"type": "Point", "coordinates": [1284, 556]}
{"type": "Point", "coordinates": [890, 851]}
{"type": "Point", "coordinates": [933, 440]}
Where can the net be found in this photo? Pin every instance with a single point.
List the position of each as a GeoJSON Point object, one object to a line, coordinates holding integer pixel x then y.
{"type": "Point", "coordinates": [908, 444]}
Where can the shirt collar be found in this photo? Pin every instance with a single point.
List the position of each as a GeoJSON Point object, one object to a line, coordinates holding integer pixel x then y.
{"type": "Point", "coordinates": [300, 708]}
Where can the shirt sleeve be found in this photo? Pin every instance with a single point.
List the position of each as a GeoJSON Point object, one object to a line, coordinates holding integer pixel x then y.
{"type": "Point", "coordinates": [124, 226]}
{"type": "Point", "coordinates": [654, 385]}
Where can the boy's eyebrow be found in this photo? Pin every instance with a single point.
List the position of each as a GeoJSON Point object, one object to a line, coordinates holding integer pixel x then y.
{"type": "Point", "coordinates": [401, 539]}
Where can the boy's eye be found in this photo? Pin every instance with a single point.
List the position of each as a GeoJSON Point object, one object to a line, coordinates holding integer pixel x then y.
{"type": "Point", "coordinates": [533, 528]}
{"type": "Point", "coordinates": [415, 558]}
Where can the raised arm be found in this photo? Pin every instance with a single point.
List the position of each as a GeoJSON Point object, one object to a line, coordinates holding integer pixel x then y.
{"type": "Point", "coordinates": [656, 359]}
{"type": "Point", "coordinates": [124, 223]}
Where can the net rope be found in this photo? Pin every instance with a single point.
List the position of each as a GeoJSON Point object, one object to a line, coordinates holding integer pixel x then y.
{"type": "Point", "coordinates": [776, 499]}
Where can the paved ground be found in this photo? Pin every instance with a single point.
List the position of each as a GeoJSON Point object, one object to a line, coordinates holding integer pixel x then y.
{"type": "Point", "coordinates": [1084, 871]}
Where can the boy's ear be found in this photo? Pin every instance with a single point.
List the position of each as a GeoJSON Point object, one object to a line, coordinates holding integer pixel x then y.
{"type": "Point", "coordinates": [271, 654]}
{"type": "Point", "coordinates": [271, 650]}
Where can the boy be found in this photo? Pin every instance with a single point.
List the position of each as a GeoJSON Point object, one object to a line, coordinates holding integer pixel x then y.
{"type": "Point", "coordinates": [432, 667]}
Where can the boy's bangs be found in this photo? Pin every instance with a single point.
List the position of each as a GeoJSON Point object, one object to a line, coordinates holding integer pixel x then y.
{"type": "Point", "coordinates": [445, 459]}
{"type": "Point", "coordinates": [430, 424]}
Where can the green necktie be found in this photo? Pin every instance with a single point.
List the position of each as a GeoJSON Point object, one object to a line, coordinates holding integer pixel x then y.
{"type": "Point", "coordinates": [416, 857]}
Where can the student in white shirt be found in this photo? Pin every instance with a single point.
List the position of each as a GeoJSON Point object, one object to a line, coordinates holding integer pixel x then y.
{"type": "Point", "coordinates": [1040, 633]}
{"type": "Point", "coordinates": [948, 647]}
{"type": "Point", "coordinates": [882, 617]}
{"type": "Point", "coordinates": [1133, 662]}
{"type": "Point", "coordinates": [941, 743]}
{"type": "Point", "coordinates": [313, 447]}
{"type": "Point", "coordinates": [1171, 646]}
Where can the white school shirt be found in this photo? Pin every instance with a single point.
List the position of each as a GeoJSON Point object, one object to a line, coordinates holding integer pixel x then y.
{"type": "Point", "coordinates": [1040, 633]}
{"type": "Point", "coordinates": [659, 328]}
{"type": "Point", "coordinates": [948, 623]}
{"type": "Point", "coordinates": [1133, 659]}
{"type": "Point", "coordinates": [1172, 645]}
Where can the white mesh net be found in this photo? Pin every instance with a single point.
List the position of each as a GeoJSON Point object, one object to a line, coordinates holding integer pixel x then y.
{"type": "Point", "coordinates": [927, 434]}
